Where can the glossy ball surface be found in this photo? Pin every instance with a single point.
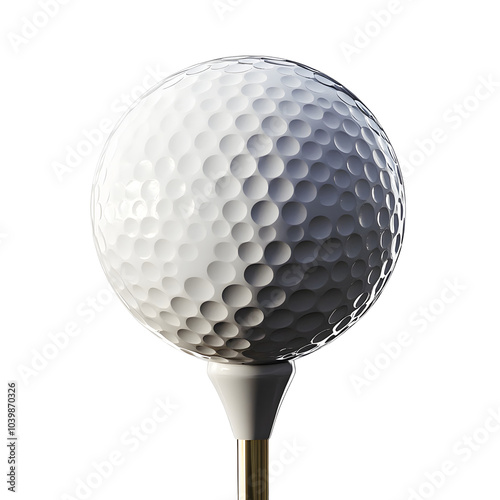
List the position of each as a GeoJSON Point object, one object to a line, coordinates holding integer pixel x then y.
{"type": "Point", "coordinates": [248, 210]}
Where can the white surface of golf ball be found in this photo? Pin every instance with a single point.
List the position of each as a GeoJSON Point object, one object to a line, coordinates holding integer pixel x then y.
{"type": "Point", "coordinates": [248, 209]}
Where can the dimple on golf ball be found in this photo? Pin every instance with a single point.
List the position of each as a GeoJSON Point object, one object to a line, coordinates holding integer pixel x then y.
{"type": "Point", "coordinates": [248, 209]}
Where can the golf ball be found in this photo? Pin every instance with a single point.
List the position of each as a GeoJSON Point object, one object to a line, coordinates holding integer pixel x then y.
{"type": "Point", "coordinates": [248, 209]}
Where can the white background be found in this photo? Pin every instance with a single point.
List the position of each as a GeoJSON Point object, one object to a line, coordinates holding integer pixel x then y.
{"type": "Point", "coordinates": [362, 425]}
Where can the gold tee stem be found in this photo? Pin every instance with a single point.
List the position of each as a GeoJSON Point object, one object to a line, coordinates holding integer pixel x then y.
{"type": "Point", "coordinates": [253, 470]}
